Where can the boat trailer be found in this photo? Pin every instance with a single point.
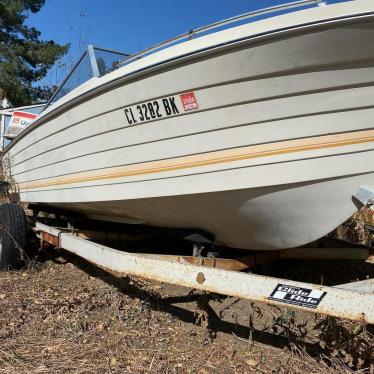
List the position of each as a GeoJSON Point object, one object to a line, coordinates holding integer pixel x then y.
{"type": "Point", "coordinates": [354, 301]}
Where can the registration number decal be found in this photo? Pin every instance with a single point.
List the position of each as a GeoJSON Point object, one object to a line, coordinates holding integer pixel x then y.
{"type": "Point", "coordinates": [160, 108]}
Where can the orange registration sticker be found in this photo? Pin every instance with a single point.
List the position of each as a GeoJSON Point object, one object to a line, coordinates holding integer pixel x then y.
{"type": "Point", "coordinates": [189, 101]}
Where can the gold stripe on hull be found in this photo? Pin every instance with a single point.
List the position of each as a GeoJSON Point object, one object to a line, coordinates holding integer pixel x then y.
{"type": "Point", "coordinates": [211, 158]}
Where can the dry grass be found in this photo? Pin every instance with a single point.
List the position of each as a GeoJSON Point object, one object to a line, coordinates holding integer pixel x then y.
{"type": "Point", "coordinates": [354, 229]}
{"type": "Point", "coordinates": [6, 176]}
{"type": "Point", "coordinates": [59, 319]}
{"type": "Point", "coordinates": [74, 318]}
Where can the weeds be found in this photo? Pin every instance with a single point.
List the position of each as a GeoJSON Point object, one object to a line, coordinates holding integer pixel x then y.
{"type": "Point", "coordinates": [9, 186]}
{"type": "Point", "coordinates": [347, 340]}
{"type": "Point", "coordinates": [354, 230]}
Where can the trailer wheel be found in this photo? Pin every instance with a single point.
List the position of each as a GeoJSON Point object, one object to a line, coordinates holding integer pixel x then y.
{"type": "Point", "coordinates": [13, 234]}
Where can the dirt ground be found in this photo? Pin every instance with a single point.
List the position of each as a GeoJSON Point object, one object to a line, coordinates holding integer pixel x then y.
{"type": "Point", "coordinates": [63, 315]}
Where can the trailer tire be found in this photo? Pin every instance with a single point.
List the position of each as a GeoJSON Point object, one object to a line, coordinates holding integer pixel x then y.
{"type": "Point", "coordinates": [13, 221]}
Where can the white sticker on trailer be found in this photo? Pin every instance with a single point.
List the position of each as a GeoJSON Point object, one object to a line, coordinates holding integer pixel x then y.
{"type": "Point", "coordinates": [305, 297]}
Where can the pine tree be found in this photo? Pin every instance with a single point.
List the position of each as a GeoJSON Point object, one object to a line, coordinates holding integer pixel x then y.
{"type": "Point", "coordinates": [24, 58]}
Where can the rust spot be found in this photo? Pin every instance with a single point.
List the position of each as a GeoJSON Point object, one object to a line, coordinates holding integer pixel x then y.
{"type": "Point", "coordinates": [200, 278]}
{"type": "Point", "coordinates": [50, 239]}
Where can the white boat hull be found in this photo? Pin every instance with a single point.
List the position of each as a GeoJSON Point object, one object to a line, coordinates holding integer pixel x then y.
{"type": "Point", "coordinates": [282, 137]}
{"type": "Point", "coordinates": [274, 217]}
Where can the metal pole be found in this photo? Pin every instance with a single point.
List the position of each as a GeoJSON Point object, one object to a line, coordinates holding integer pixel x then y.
{"type": "Point", "coordinates": [2, 131]}
{"type": "Point", "coordinates": [91, 55]}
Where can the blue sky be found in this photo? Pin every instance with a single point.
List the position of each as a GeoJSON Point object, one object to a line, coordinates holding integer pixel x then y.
{"type": "Point", "coordinates": [129, 25]}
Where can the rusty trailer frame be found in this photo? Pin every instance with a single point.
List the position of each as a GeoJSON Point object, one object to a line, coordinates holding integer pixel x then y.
{"type": "Point", "coordinates": [345, 301]}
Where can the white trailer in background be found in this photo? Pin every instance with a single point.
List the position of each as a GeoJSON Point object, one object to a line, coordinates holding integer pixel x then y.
{"type": "Point", "coordinates": [6, 116]}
